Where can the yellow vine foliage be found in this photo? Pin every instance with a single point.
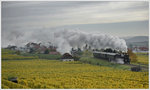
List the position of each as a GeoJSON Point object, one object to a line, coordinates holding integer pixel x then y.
{"type": "Point", "coordinates": [53, 74]}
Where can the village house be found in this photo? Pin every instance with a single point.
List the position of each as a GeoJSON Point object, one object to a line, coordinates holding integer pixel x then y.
{"type": "Point", "coordinates": [67, 57]}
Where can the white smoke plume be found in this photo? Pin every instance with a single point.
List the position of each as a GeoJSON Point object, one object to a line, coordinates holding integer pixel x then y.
{"type": "Point", "coordinates": [67, 39]}
{"type": "Point", "coordinates": [64, 39]}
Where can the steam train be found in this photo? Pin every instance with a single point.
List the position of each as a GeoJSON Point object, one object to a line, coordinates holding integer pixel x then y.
{"type": "Point", "coordinates": [113, 57]}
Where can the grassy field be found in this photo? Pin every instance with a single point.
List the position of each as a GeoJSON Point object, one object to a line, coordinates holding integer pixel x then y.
{"type": "Point", "coordinates": [7, 51]}
{"type": "Point", "coordinates": [95, 61]}
{"type": "Point", "coordinates": [43, 73]}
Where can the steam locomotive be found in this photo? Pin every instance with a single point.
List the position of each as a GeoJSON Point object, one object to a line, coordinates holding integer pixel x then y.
{"type": "Point", "coordinates": [113, 57]}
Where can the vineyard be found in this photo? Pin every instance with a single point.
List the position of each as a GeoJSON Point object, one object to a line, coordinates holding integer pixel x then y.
{"type": "Point", "coordinates": [143, 58]}
{"type": "Point", "coordinates": [43, 56]}
{"type": "Point", "coordinates": [11, 55]}
{"type": "Point", "coordinates": [57, 74]}
{"type": "Point", "coordinates": [53, 74]}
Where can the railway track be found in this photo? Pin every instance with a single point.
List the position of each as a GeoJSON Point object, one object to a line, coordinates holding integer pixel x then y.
{"type": "Point", "coordinates": [143, 66]}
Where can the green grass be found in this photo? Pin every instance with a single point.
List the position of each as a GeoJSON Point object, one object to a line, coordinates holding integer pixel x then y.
{"type": "Point", "coordinates": [7, 51]}
{"type": "Point", "coordinates": [17, 57]}
{"type": "Point", "coordinates": [101, 62]}
{"type": "Point", "coordinates": [11, 55]}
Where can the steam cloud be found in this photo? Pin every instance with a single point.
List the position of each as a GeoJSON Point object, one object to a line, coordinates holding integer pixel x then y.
{"type": "Point", "coordinates": [64, 39]}
{"type": "Point", "coordinates": [67, 39]}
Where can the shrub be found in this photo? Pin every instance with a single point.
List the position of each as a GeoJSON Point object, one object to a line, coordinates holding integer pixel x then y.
{"type": "Point", "coordinates": [18, 52]}
{"type": "Point", "coordinates": [76, 58]}
{"type": "Point", "coordinates": [46, 51]}
{"type": "Point", "coordinates": [132, 56]}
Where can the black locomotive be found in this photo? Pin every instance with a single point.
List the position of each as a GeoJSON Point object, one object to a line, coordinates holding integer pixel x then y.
{"type": "Point", "coordinates": [122, 58]}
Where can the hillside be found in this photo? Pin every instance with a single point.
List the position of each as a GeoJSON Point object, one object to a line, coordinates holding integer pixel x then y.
{"type": "Point", "coordinates": [137, 41]}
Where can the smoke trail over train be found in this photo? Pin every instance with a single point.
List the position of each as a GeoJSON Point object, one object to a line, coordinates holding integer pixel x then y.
{"type": "Point", "coordinates": [67, 39]}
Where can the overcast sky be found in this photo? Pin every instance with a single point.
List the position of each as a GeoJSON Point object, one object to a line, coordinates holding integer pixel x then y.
{"type": "Point", "coordinates": [115, 18]}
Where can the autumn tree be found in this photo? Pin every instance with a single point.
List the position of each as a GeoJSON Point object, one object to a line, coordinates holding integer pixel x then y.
{"type": "Point", "coordinates": [132, 56]}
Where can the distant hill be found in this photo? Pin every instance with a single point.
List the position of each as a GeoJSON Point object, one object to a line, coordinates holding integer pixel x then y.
{"type": "Point", "coordinates": [137, 41]}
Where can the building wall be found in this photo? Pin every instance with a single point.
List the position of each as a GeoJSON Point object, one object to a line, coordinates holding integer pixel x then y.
{"type": "Point", "coordinates": [67, 59]}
